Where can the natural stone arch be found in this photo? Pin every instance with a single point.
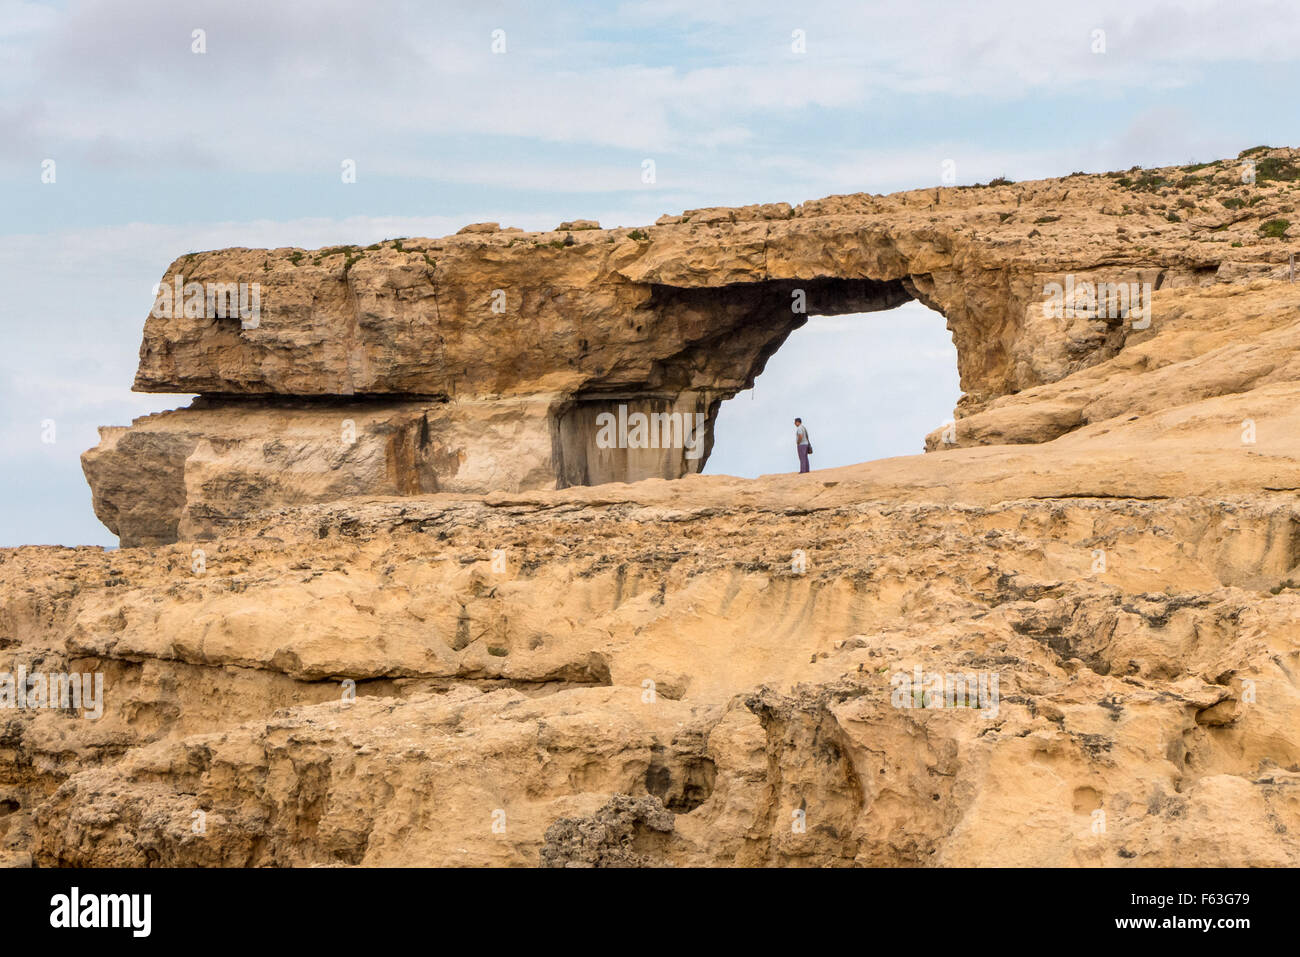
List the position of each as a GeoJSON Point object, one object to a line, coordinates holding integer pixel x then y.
{"type": "Point", "coordinates": [477, 362]}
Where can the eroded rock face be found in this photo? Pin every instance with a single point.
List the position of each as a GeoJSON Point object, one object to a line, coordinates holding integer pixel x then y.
{"type": "Point", "coordinates": [618, 835]}
{"type": "Point", "coordinates": [519, 339]}
{"type": "Point", "coordinates": [706, 670]}
{"type": "Point", "coordinates": [190, 473]}
{"type": "Point", "coordinates": [658, 643]}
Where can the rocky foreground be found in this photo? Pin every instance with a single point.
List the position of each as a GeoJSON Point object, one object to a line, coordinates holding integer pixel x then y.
{"type": "Point", "coordinates": [323, 654]}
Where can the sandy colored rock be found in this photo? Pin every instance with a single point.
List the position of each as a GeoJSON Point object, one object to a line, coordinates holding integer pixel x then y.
{"type": "Point", "coordinates": [476, 668]}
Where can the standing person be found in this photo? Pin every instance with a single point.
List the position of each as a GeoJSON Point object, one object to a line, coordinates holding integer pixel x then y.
{"type": "Point", "coordinates": [802, 444]}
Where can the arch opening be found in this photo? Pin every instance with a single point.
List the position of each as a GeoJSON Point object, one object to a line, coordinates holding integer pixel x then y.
{"type": "Point", "coordinates": [656, 418]}
{"type": "Point", "coordinates": [866, 387]}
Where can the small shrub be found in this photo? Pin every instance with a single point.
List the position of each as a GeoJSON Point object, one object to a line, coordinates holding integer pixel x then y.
{"type": "Point", "coordinates": [1275, 169]}
{"type": "Point", "coordinates": [1275, 228]}
{"type": "Point", "coordinates": [1148, 182]}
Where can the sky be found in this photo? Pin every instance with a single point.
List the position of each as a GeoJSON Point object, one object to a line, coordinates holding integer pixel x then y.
{"type": "Point", "coordinates": [530, 114]}
{"type": "Point", "coordinates": [866, 387]}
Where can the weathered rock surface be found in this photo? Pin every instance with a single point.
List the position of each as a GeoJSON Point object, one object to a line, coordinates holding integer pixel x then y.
{"type": "Point", "coordinates": [187, 474]}
{"type": "Point", "coordinates": [475, 668]}
{"type": "Point", "coordinates": [658, 642]}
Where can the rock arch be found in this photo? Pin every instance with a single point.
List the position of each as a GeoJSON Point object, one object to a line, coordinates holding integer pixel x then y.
{"type": "Point", "coordinates": [479, 362]}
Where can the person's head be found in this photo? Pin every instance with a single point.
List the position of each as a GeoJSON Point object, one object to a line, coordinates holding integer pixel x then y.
{"type": "Point", "coordinates": [798, 421]}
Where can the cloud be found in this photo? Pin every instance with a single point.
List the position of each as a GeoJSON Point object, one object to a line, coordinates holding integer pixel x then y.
{"type": "Point", "coordinates": [297, 86]}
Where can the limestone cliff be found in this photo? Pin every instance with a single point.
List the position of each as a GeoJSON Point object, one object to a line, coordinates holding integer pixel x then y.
{"type": "Point", "coordinates": [412, 648]}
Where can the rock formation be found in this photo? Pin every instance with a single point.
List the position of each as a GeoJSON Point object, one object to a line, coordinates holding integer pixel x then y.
{"type": "Point", "coordinates": [394, 605]}
{"type": "Point", "coordinates": [480, 362]}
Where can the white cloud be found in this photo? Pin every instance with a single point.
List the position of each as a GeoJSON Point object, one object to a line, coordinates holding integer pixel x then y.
{"type": "Point", "coordinates": [296, 86]}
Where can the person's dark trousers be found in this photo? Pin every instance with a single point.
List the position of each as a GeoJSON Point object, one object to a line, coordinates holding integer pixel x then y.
{"type": "Point", "coordinates": [803, 458]}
